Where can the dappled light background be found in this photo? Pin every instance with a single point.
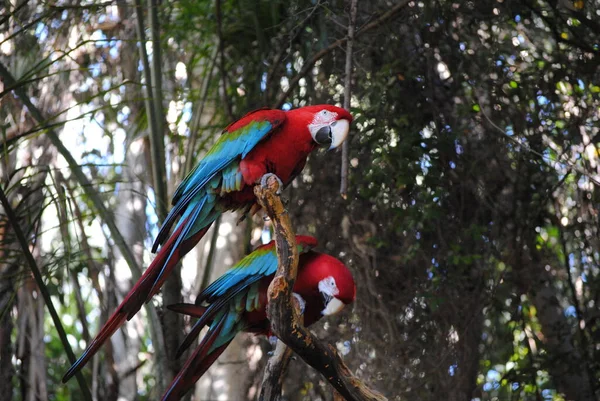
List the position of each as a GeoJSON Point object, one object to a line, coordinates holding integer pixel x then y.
{"type": "Point", "coordinates": [471, 221]}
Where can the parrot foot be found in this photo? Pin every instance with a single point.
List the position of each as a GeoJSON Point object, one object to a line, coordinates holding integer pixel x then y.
{"type": "Point", "coordinates": [301, 302]}
{"type": "Point", "coordinates": [273, 340]}
{"type": "Point", "coordinates": [264, 182]}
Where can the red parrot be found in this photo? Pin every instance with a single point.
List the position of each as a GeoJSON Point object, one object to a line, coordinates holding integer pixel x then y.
{"type": "Point", "coordinates": [261, 142]}
{"type": "Point", "coordinates": [237, 302]}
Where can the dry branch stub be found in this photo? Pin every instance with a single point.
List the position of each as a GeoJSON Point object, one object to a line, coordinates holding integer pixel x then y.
{"type": "Point", "coordinates": [284, 322]}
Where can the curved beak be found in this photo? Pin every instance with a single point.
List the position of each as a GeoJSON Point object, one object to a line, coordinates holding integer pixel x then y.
{"type": "Point", "coordinates": [332, 306]}
{"type": "Point", "coordinates": [333, 134]}
{"type": "Point", "coordinates": [339, 132]}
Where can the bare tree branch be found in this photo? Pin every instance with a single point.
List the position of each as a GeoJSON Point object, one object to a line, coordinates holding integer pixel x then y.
{"type": "Point", "coordinates": [284, 322]}
{"type": "Point", "coordinates": [172, 288]}
{"type": "Point", "coordinates": [281, 55]}
{"type": "Point", "coordinates": [347, 92]}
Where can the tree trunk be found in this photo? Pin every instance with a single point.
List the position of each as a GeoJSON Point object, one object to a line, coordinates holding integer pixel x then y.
{"type": "Point", "coordinates": [565, 362]}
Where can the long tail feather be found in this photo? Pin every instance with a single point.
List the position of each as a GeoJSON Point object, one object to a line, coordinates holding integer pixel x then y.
{"type": "Point", "coordinates": [182, 237]}
{"type": "Point", "coordinates": [210, 312]}
{"type": "Point", "coordinates": [192, 310]}
{"type": "Point", "coordinates": [189, 338]}
{"type": "Point", "coordinates": [116, 320]}
{"type": "Point", "coordinates": [146, 287]}
{"type": "Point", "coordinates": [197, 364]}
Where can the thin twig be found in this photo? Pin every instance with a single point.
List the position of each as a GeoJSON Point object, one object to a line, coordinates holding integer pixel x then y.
{"type": "Point", "coordinates": [14, 222]}
{"type": "Point", "coordinates": [347, 93]}
{"type": "Point", "coordinates": [578, 310]}
{"type": "Point", "coordinates": [560, 161]}
{"type": "Point", "coordinates": [195, 125]}
{"type": "Point", "coordinates": [307, 67]}
{"type": "Point", "coordinates": [285, 322]}
{"type": "Point", "coordinates": [62, 202]}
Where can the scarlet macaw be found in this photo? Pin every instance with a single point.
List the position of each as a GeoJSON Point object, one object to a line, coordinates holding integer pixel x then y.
{"type": "Point", "coordinates": [261, 142]}
{"type": "Point", "coordinates": [237, 302]}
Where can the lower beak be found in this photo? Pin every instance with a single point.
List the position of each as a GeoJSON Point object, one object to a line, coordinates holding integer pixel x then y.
{"type": "Point", "coordinates": [339, 132]}
{"type": "Point", "coordinates": [333, 306]}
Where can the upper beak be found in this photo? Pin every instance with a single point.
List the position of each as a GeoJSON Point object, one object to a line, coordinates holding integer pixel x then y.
{"type": "Point", "coordinates": [333, 306]}
{"type": "Point", "coordinates": [339, 132]}
{"type": "Point", "coordinates": [333, 134]}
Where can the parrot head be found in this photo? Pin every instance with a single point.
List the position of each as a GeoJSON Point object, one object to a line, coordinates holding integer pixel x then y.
{"type": "Point", "coordinates": [330, 278]}
{"type": "Point", "coordinates": [328, 125]}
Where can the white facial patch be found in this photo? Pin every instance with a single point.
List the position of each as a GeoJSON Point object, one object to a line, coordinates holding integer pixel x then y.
{"type": "Point", "coordinates": [321, 119]}
{"type": "Point", "coordinates": [327, 286]}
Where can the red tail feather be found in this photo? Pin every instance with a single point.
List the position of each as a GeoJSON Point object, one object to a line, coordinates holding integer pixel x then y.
{"type": "Point", "coordinates": [192, 310]}
{"type": "Point", "coordinates": [184, 248]}
{"type": "Point", "coordinates": [112, 324]}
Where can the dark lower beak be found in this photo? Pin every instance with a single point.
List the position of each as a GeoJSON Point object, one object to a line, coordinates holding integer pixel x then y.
{"type": "Point", "coordinates": [323, 136]}
{"type": "Point", "coordinates": [326, 298]}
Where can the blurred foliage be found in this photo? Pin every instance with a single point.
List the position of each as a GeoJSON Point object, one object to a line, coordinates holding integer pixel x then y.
{"type": "Point", "coordinates": [472, 219]}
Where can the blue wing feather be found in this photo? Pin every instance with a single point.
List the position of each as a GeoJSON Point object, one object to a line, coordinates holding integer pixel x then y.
{"type": "Point", "coordinates": [194, 213]}
{"type": "Point", "coordinates": [238, 289]}
{"type": "Point", "coordinates": [228, 147]}
{"type": "Point", "coordinates": [252, 265]}
{"type": "Point", "coordinates": [220, 163]}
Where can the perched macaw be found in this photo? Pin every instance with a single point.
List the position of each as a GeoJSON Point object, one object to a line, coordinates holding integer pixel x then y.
{"type": "Point", "coordinates": [261, 142]}
{"type": "Point", "coordinates": [237, 302]}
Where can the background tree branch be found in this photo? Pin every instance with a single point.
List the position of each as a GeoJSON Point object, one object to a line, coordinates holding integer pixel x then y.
{"type": "Point", "coordinates": [347, 94]}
